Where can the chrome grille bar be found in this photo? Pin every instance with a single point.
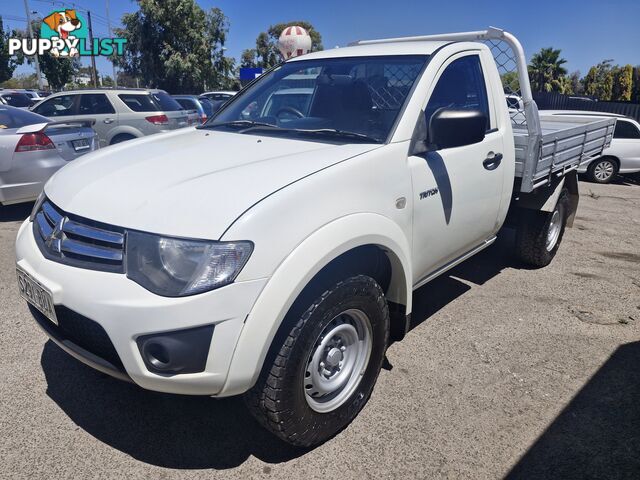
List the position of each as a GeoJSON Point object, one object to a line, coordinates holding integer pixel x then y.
{"type": "Point", "coordinates": [45, 228]}
{"type": "Point", "coordinates": [92, 251]}
{"type": "Point", "coordinates": [93, 233]}
{"type": "Point", "coordinates": [78, 242]}
{"type": "Point", "coordinates": [52, 215]}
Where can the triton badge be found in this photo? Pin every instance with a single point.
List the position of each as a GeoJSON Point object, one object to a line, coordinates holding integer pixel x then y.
{"type": "Point", "coordinates": [428, 193]}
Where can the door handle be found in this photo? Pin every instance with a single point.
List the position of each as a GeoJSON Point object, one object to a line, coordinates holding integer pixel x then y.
{"type": "Point", "coordinates": [492, 161]}
{"type": "Point", "coordinates": [108, 120]}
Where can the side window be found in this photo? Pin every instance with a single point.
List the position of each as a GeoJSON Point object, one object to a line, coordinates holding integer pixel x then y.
{"type": "Point", "coordinates": [57, 107]}
{"type": "Point", "coordinates": [626, 130]}
{"type": "Point", "coordinates": [460, 87]}
{"type": "Point", "coordinates": [95, 104]}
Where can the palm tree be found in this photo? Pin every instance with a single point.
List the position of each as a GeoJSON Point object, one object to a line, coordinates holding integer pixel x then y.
{"type": "Point", "coordinates": [546, 70]}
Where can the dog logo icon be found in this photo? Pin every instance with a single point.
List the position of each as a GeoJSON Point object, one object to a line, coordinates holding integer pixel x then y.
{"type": "Point", "coordinates": [66, 25]}
{"type": "Point", "coordinates": [64, 34]}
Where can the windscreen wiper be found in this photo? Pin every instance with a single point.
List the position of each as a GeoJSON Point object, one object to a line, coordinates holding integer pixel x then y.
{"type": "Point", "coordinates": [334, 132]}
{"type": "Point", "coordinates": [241, 124]}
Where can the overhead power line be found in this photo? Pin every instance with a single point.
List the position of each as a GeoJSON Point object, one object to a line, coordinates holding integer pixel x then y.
{"type": "Point", "coordinates": [95, 16]}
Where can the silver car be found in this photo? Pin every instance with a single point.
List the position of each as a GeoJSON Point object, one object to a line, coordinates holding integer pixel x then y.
{"type": "Point", "coordinates": [120, 114]}
{"type": "Point", "coordinates": [194, 107]}
{"type": "Point", "coordinates": [32, 148]}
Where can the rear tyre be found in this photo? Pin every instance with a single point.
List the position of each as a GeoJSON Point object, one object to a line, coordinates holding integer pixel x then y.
{"type": "Point", "coordinates": [324, 371]}
{"type": "Point", "coordinates": [602, 170]}
{"type": "Point", "coordinates": [121, 138]}
{"type": "Point", "coordinates": [539, 233]}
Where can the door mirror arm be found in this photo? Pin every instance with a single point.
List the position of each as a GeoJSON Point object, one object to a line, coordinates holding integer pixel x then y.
{"type": "Point", "coordinates": [419, 138]}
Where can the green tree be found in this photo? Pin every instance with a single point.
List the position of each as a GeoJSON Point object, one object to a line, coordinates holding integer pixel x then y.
{"type": "Point", "coordinates": [266, 50]}
{"type": "Point", "coordinates": [177, 46]}
{"type": "Point", "coordinates": [546, 70]}
{"type": "Point", "coordinates": [267, 42]}
{"type": "Point", "coordinates": [58, 70]}
{"type": "Point", "coordinates": [21, 81]}
{"type": "Point", "coordinates": [599, 80]}
{"type": "Point", "coordinates": [8, 63]}
{"type": "Point", "coordinates": [248, 58]}
{"type": "Point", "coordinates": [577, 87]}
{"type": "Point", "coordinates": [510, 82]}
{"type": "Point", "coordinates": [635, 91]}
{"type": "Point", "coordinates": [127, 81]}
{"type": "Point", "coordinates": [622, 83]}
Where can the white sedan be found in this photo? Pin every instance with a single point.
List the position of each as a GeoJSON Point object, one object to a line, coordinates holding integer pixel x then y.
{"type": "Point", "coordinates": [623, 156]}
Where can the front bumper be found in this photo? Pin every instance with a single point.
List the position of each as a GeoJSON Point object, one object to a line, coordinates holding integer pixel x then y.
{"type": "Point", "coordinates": [127, 311]}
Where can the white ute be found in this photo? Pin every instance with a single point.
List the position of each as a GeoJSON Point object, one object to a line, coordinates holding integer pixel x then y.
{"type": "Point", "coordinates": [274, 256]}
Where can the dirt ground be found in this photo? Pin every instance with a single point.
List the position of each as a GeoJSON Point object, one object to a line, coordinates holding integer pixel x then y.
{"type": "Point", "coordinates": [506, 372]}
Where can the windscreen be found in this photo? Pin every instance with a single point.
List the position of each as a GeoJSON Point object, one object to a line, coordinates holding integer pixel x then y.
{"type": "Point", "coordinates": [353, 95]}
{"type": "Point", "coordinates": [17, 118]}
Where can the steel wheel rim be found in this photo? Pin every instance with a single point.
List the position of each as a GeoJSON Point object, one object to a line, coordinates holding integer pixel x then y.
{"type": "Point", "coordinates": [555, 226]}
{"type": "Point", "coordinates": [603, 170]}
{"type": "Point", "coordinates": [338, 360]}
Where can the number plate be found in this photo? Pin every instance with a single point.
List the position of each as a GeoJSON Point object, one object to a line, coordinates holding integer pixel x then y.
{"type": "Point", "coordinates": [37, 295]}
{"type": "Point", "coordinates": [82, 144]}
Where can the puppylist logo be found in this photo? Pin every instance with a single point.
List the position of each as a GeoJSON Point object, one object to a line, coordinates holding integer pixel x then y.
{"type": "Point", "coordinates": [64, 33]}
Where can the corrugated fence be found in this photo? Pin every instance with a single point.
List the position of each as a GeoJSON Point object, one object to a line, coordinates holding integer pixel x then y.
{"type": "Point", "coordinates": [558, 101]}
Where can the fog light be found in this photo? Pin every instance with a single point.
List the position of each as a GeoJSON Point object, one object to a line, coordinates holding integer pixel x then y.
{"type": "Point", "coordinates": [179, 351]}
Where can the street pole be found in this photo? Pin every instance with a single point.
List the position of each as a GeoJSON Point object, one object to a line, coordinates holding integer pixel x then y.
{"type": "Point", "coordinates": [35, 57]}
{"type": "Point", "coordinates": [115, 76]}
{"type": "Point", "coordinates": [94, 75]}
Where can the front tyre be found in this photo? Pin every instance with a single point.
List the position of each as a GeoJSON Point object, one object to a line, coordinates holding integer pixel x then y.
{"type": "Point", "coordinates": [324, 371]}
{"type": "Point", "coordinates": [539, 233]}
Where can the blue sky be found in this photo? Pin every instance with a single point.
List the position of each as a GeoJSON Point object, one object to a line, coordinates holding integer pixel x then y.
{"type": "Point", "coordinates": [587, 31]}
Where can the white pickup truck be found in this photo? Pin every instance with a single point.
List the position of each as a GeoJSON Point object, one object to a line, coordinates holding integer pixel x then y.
{"type": "Point", "coordinates": [275, 254]}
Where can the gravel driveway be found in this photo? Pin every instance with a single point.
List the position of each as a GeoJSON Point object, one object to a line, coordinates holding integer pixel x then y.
{"type": "Point", "coordinates": [506, 372]}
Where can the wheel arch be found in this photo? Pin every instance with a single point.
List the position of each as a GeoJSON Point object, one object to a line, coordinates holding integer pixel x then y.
{"type": "Point", "coordinates": [612, 157]}
{"type": "Point", "coordinates": [123, 130]}
{"type": "Point", "coordinates": [349, 245]}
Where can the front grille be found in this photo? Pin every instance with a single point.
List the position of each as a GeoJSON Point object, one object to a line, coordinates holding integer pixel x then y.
{"type": "Point", "coordinates": [82, 331]}
{"type": "Point", "coordinates": [77, 241]}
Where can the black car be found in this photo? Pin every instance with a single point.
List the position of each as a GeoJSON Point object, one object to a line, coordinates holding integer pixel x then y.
{"type": "Point", "coordinates": [15, 99]}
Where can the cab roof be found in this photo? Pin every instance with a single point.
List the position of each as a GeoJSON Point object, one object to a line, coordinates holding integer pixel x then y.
{"type": "Point", "coordinates": [377, 49]}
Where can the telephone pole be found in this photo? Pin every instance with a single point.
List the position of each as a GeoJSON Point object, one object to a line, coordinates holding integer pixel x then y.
{"type": "Point", "coordinates": [113, 65]}
{"type": "Point", "coordinates": [94, 75]}
{"type": "Point", "coordinates": [35, 57]}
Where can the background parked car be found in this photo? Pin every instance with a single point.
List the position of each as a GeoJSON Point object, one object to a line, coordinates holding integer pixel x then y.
{"type": "Point", "coordinates": [218, 98]}
{"type": "Point", "coordinates": [15, 99]}
{"type": "Point", "coordinates": [121, 114]}
{"type": "Point", "coordinates": [32, 148]}
{"type": "Point", "coordinates": [219, 95]}
{"type": "Point", "coordinates": [193, 105]}
{"type": "Point", "coordinates": [623, 156]}
{"type": "Point", "coordinates": [208, 106]}
{"type": "Point", "coordinates": [33, 95]}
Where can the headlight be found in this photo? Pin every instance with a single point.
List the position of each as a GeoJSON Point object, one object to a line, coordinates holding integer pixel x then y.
{"type": "Point", "coordinates": [175, 267]}
{"type": "Point", "coordinates": [37, 205]}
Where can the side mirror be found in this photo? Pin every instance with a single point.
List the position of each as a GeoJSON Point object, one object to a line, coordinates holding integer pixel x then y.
{"type": "Point", "coordinates": [454, 128]}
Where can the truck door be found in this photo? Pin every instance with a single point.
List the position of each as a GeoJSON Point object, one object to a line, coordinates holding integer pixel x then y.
{"type": "Point", "coordinates": [457, 191]}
